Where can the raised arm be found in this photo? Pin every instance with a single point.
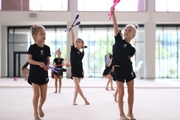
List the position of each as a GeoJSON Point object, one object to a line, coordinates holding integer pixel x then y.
{"type": "Point", "coordinates": [72, 36]}
{"type": "Point", "coordinates": [115, 25]}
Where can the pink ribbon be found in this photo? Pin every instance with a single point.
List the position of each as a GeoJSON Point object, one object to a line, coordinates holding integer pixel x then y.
{"type": "Point", "coordinates": [114, 5]}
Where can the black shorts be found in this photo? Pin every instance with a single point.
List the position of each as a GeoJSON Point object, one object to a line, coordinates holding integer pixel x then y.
{"type": "Point", "coordinates": [124, 74]}
{"type": "Point", "coordinates": [77, 73]}
{"type": "Point", "coordinates": [39, 81]}
{"type": "Point", "coordinates": [59, 72]}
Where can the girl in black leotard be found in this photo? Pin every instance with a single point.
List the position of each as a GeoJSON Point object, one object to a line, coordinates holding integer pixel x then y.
{"type": "Point", "coordinates": [76, 57]}
{"type": "Point", "coordinates": [39, 58]}
{"type": "Point", "coordinates": [58, 63]}
{"type": "Point", "coordinates": [123, 70]}
{"type": "Point", "coordinates": [107, 73]}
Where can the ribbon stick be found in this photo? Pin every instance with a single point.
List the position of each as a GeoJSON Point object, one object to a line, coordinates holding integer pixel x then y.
{"type": "Point", "coordinates": [115, 2]}
{"type": "Point", "coordinates": [74, 24]}
{"type": "Point", "coordinates": [77, 23]}
{"type": "Point", "coordinates": [54, 69]}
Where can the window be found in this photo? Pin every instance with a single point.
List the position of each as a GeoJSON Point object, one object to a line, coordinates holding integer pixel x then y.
{"type": "Point", "coordinates": [167, 52]}
{"type": "Point", "coordinates": [48, 5]}
{"type": "Point", "coordinates": [167, 6]}
{"type": "Point", "coordinates": [34, 5]}
{"type": "Point", "coordinates": [104, 5]}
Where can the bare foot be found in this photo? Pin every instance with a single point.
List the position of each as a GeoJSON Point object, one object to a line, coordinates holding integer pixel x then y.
{"type": "Point", "coordinates": [74, 103]}
{"type": "Point", "coordinates": [41, 113]}
{"type": "Point", "coordinates": [107, 88]}
{"type": "Point", "coordinates": [112, 88]}
{"type": "Point", "coordinates": [123, 117]}
{"type": "Point", "coordinates": [87, 103]}
{"type": "Point", "coordinates": [37, 118]}
{"type": "Point", "coordinates": [59, 91]}
{"type": "Point", "coordinates": [55, 92]}
{"type": "Point", "coordinates": [131, 117]}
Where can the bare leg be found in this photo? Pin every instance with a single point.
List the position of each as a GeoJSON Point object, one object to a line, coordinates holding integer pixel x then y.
{"type": "Point", "coordinates": [120, 86]}
{"type": "Point", "coordinates": [111, 81]}
{"type": "Point", "coordinates": [130, 86]}
{"type": "Point", "coordinates": [60, 83]}
{"type": "Point", "coordinates": [108, 77]}
{"type": "Point", "coordinates": [26, 74]}
{"type": "Point", "coordinates": [43, 91]}
{"type": "Point", "coordinates": [55, 83]}
{"type": "Point", "coordinates": [75, 96]}
{"type": "Point", "coordinates": [75, 92]}
{"type": "Point", "coordinates": [78, 90]}
{"type": "Point", "coordinates": [115, 95]}
{"type": "Point", "coordinates": [35, 99]}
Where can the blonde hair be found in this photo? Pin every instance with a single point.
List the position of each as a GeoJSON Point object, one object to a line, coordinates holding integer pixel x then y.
{"type": "Point", "coordinates": [135, 27]}
{"type": "Point", "coordinates": [58, 50]}
{"type": "Point", "coordinates": [81, 41]}
{"type": "Point", "coordinates": [34, 30]}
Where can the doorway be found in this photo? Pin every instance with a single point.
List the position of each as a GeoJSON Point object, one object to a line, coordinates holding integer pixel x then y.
{"type": "Point", "coordinates": [20, 58]}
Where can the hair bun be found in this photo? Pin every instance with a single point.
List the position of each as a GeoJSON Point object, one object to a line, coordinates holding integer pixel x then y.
{"type": "Point", "coordinates": [136, 26]}
{"type": "Point", "coordinates": [84, 47]}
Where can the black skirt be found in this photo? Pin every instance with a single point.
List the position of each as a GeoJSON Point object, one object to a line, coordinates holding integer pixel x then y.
{"type": "Point", "coordinates": [107, 70]}
{"type": "Point", "coordinates": [59, 72]}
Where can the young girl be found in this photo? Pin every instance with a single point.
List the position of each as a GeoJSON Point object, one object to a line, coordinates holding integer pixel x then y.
{"type": "Point", "coordinates": [38, 58]}
{"type": "Point", "coordinates": [58, 63]}
{"type": "Point", "coordinates": [76, 57]}
{"type": "Point", "coordinates": [25, 71]}
{"type": "Point", "coordinates": [123, 71]}
{"type": "Point", "coordinates": [107, 73]}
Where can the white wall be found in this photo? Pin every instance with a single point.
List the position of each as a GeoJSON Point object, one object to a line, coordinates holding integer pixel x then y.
{"type": "Point", "coordinates": [20, 18]}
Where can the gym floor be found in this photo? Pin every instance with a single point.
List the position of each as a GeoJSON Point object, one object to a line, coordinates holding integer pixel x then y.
{"type": "Point", "coordinates": [154, 100]}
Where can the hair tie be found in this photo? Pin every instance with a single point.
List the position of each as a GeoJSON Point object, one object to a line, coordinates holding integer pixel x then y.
{"type": "Point", "coordinates": [136, 26]}
{"type": "Point", "coordinates": [34, 26]}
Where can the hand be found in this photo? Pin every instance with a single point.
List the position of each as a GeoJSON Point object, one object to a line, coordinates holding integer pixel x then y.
{"type": "Point", "coordinates": [46, 68]}
{"type": "Point", "coordinates": [112, 9]}
{"type": "Point", "coordinates": [129, 57]}
{"type": "Point", "coordinates": [42, 65]}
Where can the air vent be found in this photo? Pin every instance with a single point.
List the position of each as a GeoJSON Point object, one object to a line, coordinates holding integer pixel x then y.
{"type": "Point", "coordinates": [32, 15]}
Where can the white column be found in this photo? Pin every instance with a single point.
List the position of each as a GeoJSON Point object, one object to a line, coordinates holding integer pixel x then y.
{"type": "Point", "coordinates": [3, 49]}
{"type": "Point", "coordinates": [72, 9]}
{"type": "Point", "coordinates": [0, 49]}
{"type": "Point", "coordinates": [149, 55]}
{"type": "Point", "coordinates": [0, 4]}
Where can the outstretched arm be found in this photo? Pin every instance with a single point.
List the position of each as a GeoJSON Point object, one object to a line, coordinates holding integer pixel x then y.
{"type": "Point", "coordinates": [116, 31]}
{"type": "Point", "coordinates": [72, 36]}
